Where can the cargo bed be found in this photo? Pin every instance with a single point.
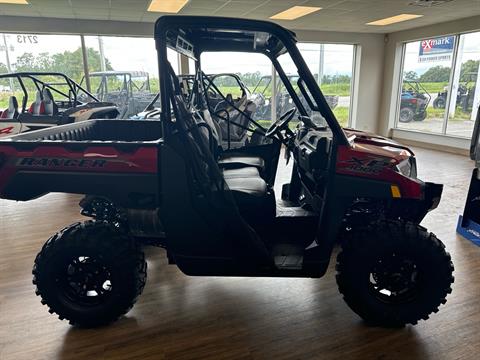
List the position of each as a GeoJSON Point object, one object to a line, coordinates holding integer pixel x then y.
{"type": "Point", "coordinates": [95, 131]}
{"type": "Point", "coordinates": [117, 159]}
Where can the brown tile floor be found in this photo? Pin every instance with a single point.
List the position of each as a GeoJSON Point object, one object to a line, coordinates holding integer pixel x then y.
{"type": "Point", "coordinates": [179, 317]}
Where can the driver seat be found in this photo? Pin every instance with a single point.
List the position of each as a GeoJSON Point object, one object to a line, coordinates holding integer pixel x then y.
{"type": "Point", "coordinates": [226, 160]}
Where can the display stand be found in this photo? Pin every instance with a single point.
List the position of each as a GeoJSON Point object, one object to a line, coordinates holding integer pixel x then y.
{"type": "Point", "coordinates": [468, 224]}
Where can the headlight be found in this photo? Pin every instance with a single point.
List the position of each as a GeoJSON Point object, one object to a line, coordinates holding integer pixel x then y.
{"type": "Point", "coordinates": [408, 167]}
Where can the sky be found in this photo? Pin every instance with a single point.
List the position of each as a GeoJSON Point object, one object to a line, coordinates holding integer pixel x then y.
{"type": "Point", "coordinates": [338, 60]}
{"type": "Point", "coordinates": [124, 53]}
{"type": "Point", "coordinates": [127, 53]}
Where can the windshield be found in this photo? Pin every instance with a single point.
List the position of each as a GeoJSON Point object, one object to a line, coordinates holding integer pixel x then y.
{"type": "Point", "coordinates": [285, 100]}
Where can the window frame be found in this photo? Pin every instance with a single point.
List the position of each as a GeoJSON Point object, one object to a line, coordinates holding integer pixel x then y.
{"type": "Point", "coordinates": [399, 80]}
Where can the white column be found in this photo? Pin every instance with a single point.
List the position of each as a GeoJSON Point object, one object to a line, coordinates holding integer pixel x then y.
{"type": "Point", "coordinates": [86, 71]}
{"type": "Point", "coordinates": [456, 78]}
{"type": "Point", "coordinates": [476, 97]}
{"type": "Point", "coordinates": [273, 102]}
{"type": "Point", "coordinates": [321, 64]}
{"type": "Point", "coordinates": [102, 54]}
{"type": "Point", "coordinates": [7, 58]}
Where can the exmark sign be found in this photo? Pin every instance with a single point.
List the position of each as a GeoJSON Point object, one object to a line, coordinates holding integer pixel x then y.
{"type": "Point", "coordinates": [436, 49]}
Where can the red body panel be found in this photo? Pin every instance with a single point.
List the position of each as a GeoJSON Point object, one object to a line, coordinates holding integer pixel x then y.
{"type": "Point", "coordinates": [102, 159]}
{"type": "Point", "coordinates": [376, 157]}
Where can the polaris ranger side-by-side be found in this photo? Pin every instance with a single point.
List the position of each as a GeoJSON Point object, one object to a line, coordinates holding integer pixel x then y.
{"type": "Point", "coordinates": [169, 183]}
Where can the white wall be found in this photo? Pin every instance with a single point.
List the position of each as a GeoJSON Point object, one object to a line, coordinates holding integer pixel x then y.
{"type": "Point", "coordinates": [392, 75]}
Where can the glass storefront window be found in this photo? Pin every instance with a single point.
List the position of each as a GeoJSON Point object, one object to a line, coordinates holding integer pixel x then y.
{"type": "Point", "coordinates": [126, 71]}
{"type": "Point", "coordinates": [426, 75]}
{"type": "Point", "coordinates": [53, 53]}
{"type": "Point", "coordinates": [334, 63]}
{"type": "Point", "coordinates": [255, 72]}
{"type": "Point", "coordinates": [464, 106]}
{"type": "Point", "coordinates": [440, 87]}
{"type": "Point", "coordinates": [125, 68]}
{"type": "Point", "coordinates": [37, 53]}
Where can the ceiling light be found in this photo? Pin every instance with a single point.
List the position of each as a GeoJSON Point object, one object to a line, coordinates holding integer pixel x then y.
{"type": "Point", "coordinates": [428, 3]}
{"type": "Point", "coordinates": [167, 6]}
{"type": "Point", "coordinates": [17, 2]}
{"type": "Point", "coordinates": [295, 12]}
{"type": "Point", "coordinates": [394, 19]}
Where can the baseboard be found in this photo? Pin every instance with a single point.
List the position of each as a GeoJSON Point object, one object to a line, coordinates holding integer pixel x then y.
{"type": "Point", "coordinates": [425, 145]}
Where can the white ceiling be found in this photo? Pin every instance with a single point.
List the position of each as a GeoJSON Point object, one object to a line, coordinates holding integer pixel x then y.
{"type": "Point", "coordinates": [336, 15]}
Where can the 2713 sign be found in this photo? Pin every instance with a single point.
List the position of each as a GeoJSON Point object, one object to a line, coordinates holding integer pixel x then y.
{"type": "Point", "coordinates": [27, 39]}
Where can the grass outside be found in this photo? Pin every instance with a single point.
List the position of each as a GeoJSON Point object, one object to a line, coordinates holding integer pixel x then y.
{"type": "Point", "coordinates": [341, 89]}
{"type": "Point", "coordinates": [341, 113]}
{"type": "Point", "coordinates": [5, 98]}
{"type": "Point", "coordinates": [440, 113]}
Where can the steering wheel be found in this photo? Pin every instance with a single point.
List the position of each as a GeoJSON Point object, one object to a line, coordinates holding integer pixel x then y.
{"type": "Point", "coordinates": [281, 123]}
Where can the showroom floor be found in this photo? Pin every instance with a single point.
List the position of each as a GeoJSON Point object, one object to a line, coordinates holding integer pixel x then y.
{"type": "Point", "coordinates": [180, 317]}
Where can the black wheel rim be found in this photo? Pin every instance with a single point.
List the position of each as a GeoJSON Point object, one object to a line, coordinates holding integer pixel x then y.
{"type": "Point", "coordinates": [394, 279]}
{"type": "Point", "coordinates": [86, 281]}
{"type": "Point", "coordinates": [405, 116]}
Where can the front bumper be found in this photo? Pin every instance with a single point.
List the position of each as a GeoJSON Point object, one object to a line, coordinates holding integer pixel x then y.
{"type": "Point", "coordinates": [432, 194]}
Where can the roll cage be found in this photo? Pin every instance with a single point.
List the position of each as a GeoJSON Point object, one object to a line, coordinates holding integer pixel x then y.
{"type": "Point", "coordinates": [74, 89]}
{"type": "Point", "coordinates": [191, 36]}
{"type": "Point", "coordinates": [265, 82]}
{"type": "Point", "coordinates": [210, 86]}
{"type": "Point", "coordinates": [127, 79]}
{"type": "Point", "coordinates": [209, 82]}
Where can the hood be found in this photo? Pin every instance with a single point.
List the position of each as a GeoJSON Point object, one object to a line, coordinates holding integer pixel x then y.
{"type": "Point", "coordinates": [377, 145]}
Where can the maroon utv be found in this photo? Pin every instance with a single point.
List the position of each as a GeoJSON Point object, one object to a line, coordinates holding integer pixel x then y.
{"type": "Point", "coordinates": [169, 182]}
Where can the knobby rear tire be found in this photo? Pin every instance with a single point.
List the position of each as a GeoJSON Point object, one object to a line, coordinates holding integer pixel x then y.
{"type": "Point", "coordinates": [112, 249]}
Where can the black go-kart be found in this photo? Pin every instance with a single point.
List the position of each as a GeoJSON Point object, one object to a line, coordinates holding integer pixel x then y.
{"type": "Point", "coordinates": [168, 183]}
